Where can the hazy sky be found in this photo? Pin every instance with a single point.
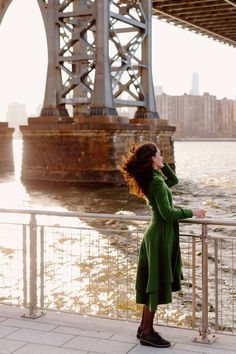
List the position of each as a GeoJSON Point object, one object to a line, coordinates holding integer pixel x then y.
{"type": "Point", "coordinates": [177, 53]}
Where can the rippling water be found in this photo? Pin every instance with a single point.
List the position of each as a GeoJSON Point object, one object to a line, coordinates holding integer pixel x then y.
{"type": "Point", "coordinates": [207, 173]}
{"type": "Point", "coordinates": [206, 170]}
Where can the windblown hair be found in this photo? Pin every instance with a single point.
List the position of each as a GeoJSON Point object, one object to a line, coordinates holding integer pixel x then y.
{"type": "Point", "coordinates": [137, 168]}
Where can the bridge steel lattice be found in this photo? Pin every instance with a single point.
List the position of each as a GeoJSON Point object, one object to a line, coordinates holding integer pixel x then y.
{"type": "Point", "coordinates": [99, 56]}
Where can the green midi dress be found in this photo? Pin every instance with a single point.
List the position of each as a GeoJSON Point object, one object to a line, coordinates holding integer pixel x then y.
{"type": "Point", "coordinates": [159, 265]}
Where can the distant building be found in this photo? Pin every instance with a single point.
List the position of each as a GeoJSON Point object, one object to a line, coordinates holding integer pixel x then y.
{"type": "Point", "coordinates": [158, 90]}
{"type": "Point", "coordinates": [16, 116]}
{"type": "Point", "coordinates": [195, 84]}
{"type": "Point", "coordinates": [199, 116]}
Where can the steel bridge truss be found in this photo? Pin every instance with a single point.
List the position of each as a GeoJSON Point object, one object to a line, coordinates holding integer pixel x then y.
{"type": "Point", "coordinates": [104, 56]}
{"type": "Point", "coordinates": [99, 56]}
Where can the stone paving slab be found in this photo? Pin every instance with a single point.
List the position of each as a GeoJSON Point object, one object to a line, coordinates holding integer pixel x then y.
{"type": "Point", "coordinates": [28, 323]}
{"type": "Point", "coordinates": [148, 350]}
{"type": "Point", "coordinates": [10, 346]}
{"type": "Point", "coordinates": [208, 348]}
{"type": "Point", "coordinates": [90, 323]}
{"type": "Point", "coordinates": [98, 345]}
{"type": "Point", "coordinates": [82, 332]}
{"type": "Point", "coordinates": [5, 330]}
{"type": "Point", "coordinates": [40, 337]}
{"type": "Point", "coordinates": [124, 338]}
{"type": "Point", "coordinates": [46, 349]}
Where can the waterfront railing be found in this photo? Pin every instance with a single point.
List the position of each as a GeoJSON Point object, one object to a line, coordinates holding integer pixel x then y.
{"type": "Point", "coordinates": [85, 263]}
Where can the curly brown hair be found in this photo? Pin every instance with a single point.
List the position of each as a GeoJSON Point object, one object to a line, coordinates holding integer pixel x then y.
{"type": "Point", "coordinates": [137, 168]}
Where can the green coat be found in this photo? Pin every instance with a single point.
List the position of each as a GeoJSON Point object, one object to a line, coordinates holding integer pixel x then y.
{"type": "Point", "coordinates": [159, 265]}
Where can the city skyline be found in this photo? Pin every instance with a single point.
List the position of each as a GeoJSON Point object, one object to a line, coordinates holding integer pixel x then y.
{"type": "Point", "coordinates": [177, 53]}
{"type": "Point", "coordinates": [199, 116]}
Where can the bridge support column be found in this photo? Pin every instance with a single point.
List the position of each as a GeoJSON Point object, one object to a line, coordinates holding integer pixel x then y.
{"type": "Point", "coordinates": [149, 109]}
{"type": "Point", "coordinates": [52, 106]}
{"type": "Point", "coordinates": [102, 100]}
{"type": "Point", "coordinates": [6, 150]}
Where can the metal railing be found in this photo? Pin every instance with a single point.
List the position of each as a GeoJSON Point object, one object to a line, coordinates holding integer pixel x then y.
{"type": "Point", "coordinates": [86, 263]}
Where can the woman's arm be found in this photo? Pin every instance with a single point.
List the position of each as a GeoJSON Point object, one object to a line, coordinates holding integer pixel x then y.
{"type": "Point", "coordinates": [167, 211]}
{"type": "Point", "coordinates": [172, 179]}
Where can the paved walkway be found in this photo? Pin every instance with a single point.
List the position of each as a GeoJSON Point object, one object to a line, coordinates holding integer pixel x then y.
{"type": "Point", "coordinates": [58, 333]}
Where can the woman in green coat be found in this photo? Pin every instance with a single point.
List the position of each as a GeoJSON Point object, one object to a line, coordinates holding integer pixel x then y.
{"type": "Point", "coordinates": [159, 264]}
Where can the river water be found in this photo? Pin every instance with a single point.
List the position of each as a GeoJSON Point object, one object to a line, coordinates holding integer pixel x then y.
{"type": "Point", "coordinates": [207, 178]}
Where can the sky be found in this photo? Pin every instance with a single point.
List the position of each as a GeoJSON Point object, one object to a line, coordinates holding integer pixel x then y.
{"type": "Point", "coordinates": [176, 54]}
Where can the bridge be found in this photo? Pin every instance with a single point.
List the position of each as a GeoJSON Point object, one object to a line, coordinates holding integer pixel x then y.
{"type": "Point", "coordinates": [99, 59]}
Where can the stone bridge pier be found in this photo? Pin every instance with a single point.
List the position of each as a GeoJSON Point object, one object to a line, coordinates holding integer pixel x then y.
{"type": "Point", "coordinates": [89, 151]}
{"type": "Point", "coordinates": [6, 149]}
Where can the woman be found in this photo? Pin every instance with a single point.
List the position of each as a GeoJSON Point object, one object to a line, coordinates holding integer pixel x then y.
{"type": "Point", "coordinates": [159, 265]}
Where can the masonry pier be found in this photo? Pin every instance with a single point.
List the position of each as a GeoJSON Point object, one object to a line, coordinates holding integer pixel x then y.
{"type": "Point", "coordinates": [6, 149]}
{"type": "Point", "coordinates": [88, 150]}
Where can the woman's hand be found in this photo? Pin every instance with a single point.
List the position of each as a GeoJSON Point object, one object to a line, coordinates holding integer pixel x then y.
{"type": "Point", "coordinates": [200, 213]}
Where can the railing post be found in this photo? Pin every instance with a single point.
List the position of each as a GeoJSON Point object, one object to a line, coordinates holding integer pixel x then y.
{"type": "Point", "coordinates": [33, 270]}
{"type": "Point", "coordinates": [204, 335]}
{"type": "Point", "coordinates": [42, 267]}
{"type": "Point", "coordinates": [204, 283]}
{"type": "Point", "coordinates": [24, 256]}
{"type": "Point", "coordinates": [216, 287]}
{"type": "Point", "coordinates": [193, 281]}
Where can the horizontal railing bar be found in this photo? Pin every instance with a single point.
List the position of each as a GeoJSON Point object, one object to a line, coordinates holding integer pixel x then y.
{"type": "Point", "coordinates": [70, 227]}
{"type": "Point", "coordinates": [210, 237]}
{"type": "Point", "coordinates": [96, 229]}
{"type": "Point", "coordinates": [209, 222]}
{"type": "Point", "coordinates": [13, 223]}
{"type": "Point", "coordinates": [53, 226]}
{"type": "Point", "coordinates": [75, 214]}
{"type": "Point", "coordinates": [220, 238]}
{"type": "Point", "coordinates": [112, 216]}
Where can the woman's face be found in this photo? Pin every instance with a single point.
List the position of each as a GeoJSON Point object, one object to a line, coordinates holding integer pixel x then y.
{"type": "Point", "coordinates": [157, 160]}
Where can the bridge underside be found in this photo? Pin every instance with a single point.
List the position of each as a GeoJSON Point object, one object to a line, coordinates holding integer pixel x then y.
{"type": "Point", "coordinates": [214, 18]}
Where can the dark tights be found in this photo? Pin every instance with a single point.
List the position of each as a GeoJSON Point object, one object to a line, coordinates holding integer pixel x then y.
{"type": "Point", "coordinates": [146, 324]}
